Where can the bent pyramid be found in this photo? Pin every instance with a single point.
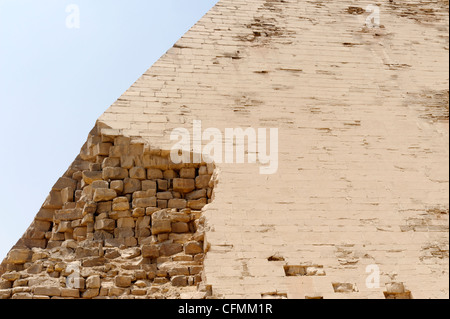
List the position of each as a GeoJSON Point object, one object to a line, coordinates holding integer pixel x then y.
{"type": "Point", "coordinates": [358, 207]}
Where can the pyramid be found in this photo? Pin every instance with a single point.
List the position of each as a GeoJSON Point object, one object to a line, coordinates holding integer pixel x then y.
{"type": "Point", "coordinates": [357, 203]}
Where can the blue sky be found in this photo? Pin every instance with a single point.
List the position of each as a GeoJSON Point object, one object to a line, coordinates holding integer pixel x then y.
{"type": "Point", "coordinates": [56, 81]}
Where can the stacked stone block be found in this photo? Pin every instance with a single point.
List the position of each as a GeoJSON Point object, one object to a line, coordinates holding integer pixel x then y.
{"type": "Point", "coordinates": [123, 222]}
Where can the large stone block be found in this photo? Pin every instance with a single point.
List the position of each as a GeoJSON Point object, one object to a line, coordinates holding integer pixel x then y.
{"type": "Point", "coordinates": [197, 204]}
{"type": "Point", "coordinates": [177, 203]}
{"type": "Point", "coordinates": [164, 195]}
{"type": "Point", "coordinates": [131, 185]}
{"type": "Point", "coordinates": [114, 173]}
{"type": "Point", "coordinates": [201, 193]}
{"type": "Point", "coordinates": [105, 224]}
{"type": "Point", "coordinates": [120, 204]}
{"type": "Point", "coordinates": [90, 177]}
{"type": "Point", "coordinates": [125, 222]}
{"type": "Point", "coordinates": [68, 214]}
{"type": "Point", "coordinates": [187, 173]}
{"type": "Point", "coordinates": [47, 291]}
{"type": "Point", "coordinates": [144, 202]}
{"type": "Point", "coordinates": [104, 195]}
{"type": "Point", "coordinates": [183, 185]}
{"type": "Point", "coordinates": [93, 282]}
{"type": "Point", "coordinates": [202, 181]}
{"type": "Point", "coordinates": [154, 174]}
{"type": "Point", "coordinates": [53, 201]}
{"type": "Point", "coordinates": [64, 182]}
{"type": "Point", "coordinates": [138, 173]}
{"type": "Point", "coordinates": [161, 226]}
{"type": "Point", "coordinates": [193, 248]}
{"type": "Point", "coordinates": [149, 185]}
{"type": "Point", "coordinates": [150, 251]}
{"type": "Point", "coordinates": [170, 249]}
{"type": "Point", "coordinates": [123, 281]}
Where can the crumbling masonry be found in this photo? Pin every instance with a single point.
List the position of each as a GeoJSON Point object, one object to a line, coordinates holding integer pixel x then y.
{"type": "Point", "coordinates": [359, 206]}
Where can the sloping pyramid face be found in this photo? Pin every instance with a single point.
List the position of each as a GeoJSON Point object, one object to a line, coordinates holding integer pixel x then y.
{"type": "Point", "coordinates": [356, 205]}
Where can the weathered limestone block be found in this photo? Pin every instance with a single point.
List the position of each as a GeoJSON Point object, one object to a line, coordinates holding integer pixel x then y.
{"type": "Point", "coordinates": [127, 161]}
{"type": "Point", "coordinates": [45, 214]}
{"type": "Point", "coordinates": [178, 271]}
{"type": "Point", "coordinates": [105, 224]}
{"type": "Point", "coordinates": [70, 293]}
{"type": "Point", "coordinates": [202, 181]}
{"type": "Point", "coordinates": [150, 251]}
{"type": "Point", "coordinates": [144, 194]}
{"type": "Point", "coordinates": [19, 256]}
{"type": "Point", "coordinates": [64, 227]}
{"type": "Point", "coordinates": [201, 193]}
{"type": "Point", "coordinates": [67, 194]}
{"type": "Point", "coordinates": [180, 227]}
{"type": "Point", "coordinates": [117, 186]}
{"type": "Point", "coordinates": [47, 291]}
{"type": "Point", "coordinates": [179, 281]}
{"type": "Point", "coordinates": [188, 173]}
{"type": "Point", "coordinates": [161, 226]}
{"type": "Point", "coordinates": [177, 203]}
{"type": "Point", "coordinates": [91, 176]}
{"type": "Point", "coordinates": [125, 222]}
{"type": "Point", "coordinates": [104, 195]}
{"type": "Point", "coordinates": [162, 203]}
{"type": "Point", "coordinates": [193, 248]}
{"type": "Point", "coordinates": [93, 282]}
{"type": "Point", "coordinates": [156, 162]}
{"type": "Point", "coordinates": [138, 173]}
{"type": "Point", "coordinates": [11, 276]}
{"type": "Point", "coordinates": [154, 174]}
{"type": "Point", "coordinates": [170, 249]}
{"type": "Point", "coordinates": [131, 185]}
{"type": "Point", "coordinates": [94, 262]}
{"type": "Point", "coordinates": [120, 204]}
{"type": "Point", "coordinates": [41, 225]}
{"type": "Point", "coordinates": [68, 214]}
{"type": "Point", "coordinates": [53, 201]}
{"type": "Point", "coordinates": [149, 185]}
{"type": "Point", "coordinates": [104, 207]}
{"type": "Point", "coordinates": [144, 202]}
{"type": "Point", "coordinates": [203, 170]}
{"type": "Point", "coordinates": [183, 185]}
{"type": "Point", "coordinates": [64, 182]}
{"type": "Point", "coordinates": [114, 173]}
{"type": "Point", "coordinates": [164, 195]}
{"type": "Point", "coordinates": [80, 233]}
{"type": "Point", "coordinates": [123, 281]}
{"type": "Point", "coordinates": [111, 162]}
{"type": "Point", "coordinates": [170, 174]}
{"type": "Point", "coordinates": [143, 222]}
{"type": "Point", "coordinates": [99, 184]}
{"type": "Point", "coordinates": [102, 149]}
{"type": "Point", "coordinates": [163, 185]}
{"type": "Point", "coordinates": [197, 204]}
{"type": "Point", "coordinates": [123, 232]}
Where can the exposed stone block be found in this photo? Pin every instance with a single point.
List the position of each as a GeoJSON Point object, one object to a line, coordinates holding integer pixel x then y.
{"type": "Point", "coordinates": [183, 185]}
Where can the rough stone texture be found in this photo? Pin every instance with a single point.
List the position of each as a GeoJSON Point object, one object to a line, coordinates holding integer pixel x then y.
{"type": "Point", "coordinates": [363, 159]}
{"type": "Point", "coordinates": [112, 241]}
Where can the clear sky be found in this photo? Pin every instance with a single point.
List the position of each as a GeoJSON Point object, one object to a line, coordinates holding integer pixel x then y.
{"type": "Point", "coordinates": [57, 79]}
